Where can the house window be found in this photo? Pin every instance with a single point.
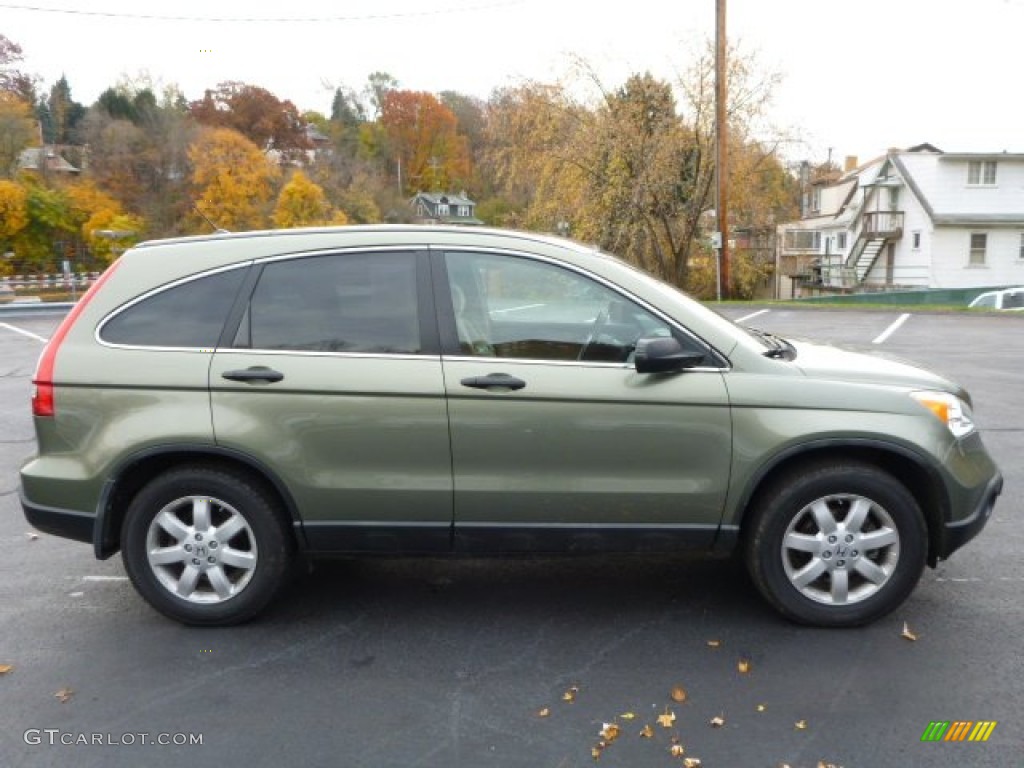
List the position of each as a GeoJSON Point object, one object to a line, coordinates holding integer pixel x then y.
{"type": "Point", "coordinates": [981, 172]}
{"type": "Point", "coordinates": [442, 209]}
{"type": "Point", "coordinates": [979, 241]}
{"type": "Point", "coordinates": [915, 239]}
{"type": "Point", "coordinates": [464, 211]}
{"type": "Point", "coordinates": [841, 241]}
{"type": "Point", "coordinates": [816, 200]}
{"type": "Point", "coordinates": [803, 240]}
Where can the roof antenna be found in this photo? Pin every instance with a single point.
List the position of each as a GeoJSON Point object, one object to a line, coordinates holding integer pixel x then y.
{"type": "Point", "coordinates": [213, 226]}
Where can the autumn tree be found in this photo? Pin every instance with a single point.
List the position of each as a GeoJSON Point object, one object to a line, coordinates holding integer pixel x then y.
{"type": "Point", "coordinates": [232, 178]}
{"type": "Point", "coordinates": [255, 113]}
{"type": "Point", "coordinates": [378, 86]}
{"type": "Point", "coordinates": [632, 172]}
{"type": "Point", "coordinates": [96, 212]}
{"type": "Point", "coordinates": [13, 213]}
{"type": "Point", "coordinates": [422, 134]}
{"type": "Point", "coordinates": [301, 203]}
{"type": "Point", "coordinates": [530, 134]}
{"type": "Point", "coordinates": [470, 122]}
{"type": "Point", "coordinates": [139, 153]}
{"type": "Point", "coordinates": [50, 232]}
{"type": "Point", "coordinates": [17, 131]}
{"type": "Point", "coordinates": [12, 80]}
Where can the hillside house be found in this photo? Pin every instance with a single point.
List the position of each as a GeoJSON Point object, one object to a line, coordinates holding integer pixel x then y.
{"type": "Point", "coordinates": [913, 218]}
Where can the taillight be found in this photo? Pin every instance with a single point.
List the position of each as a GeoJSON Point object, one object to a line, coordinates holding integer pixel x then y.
{"type": "Point", "coordinates": [42, 381]}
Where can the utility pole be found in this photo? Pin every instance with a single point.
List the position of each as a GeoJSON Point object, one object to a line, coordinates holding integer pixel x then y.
{"type": "Point", "coordinates": [721, 152]}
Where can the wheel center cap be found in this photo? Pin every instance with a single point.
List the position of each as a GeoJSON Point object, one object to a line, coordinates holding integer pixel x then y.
{"type": "Point", "coordinates": [201, 550]}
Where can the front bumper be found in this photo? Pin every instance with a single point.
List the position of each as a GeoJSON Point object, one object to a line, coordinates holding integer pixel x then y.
{"type": "Point", "coordinates": [962, 531]}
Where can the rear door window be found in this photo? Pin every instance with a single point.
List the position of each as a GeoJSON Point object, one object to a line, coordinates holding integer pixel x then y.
{"type": "Point", "coordinates": [352, 302]}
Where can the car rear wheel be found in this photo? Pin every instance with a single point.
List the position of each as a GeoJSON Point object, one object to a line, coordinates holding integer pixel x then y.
{"type": "Point", "coordinates": [836, 545]}
{"type": "Point", "coordinates": [206, 546]}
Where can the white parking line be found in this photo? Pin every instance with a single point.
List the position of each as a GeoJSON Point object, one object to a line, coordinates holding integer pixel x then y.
{"type": "Point", "coordinates": [752, 315]}
{"type": "Point", "coordinates": [880, 339]}
{"type": "Point", "coordinates": [23, 332]}
{"type": "Point", "coordinates": [104, 578]}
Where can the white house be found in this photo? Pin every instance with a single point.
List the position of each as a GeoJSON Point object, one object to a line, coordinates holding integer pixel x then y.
{"type": "Point", "coordinates": [913, 218]}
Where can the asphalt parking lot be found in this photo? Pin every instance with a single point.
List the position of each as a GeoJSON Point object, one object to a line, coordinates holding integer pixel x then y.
{"type": "Point", "coordinates": [452, 663]}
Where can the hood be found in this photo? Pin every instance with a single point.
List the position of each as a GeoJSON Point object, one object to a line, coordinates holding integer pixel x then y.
{"type": "Point", "coordinates": [819, 361]}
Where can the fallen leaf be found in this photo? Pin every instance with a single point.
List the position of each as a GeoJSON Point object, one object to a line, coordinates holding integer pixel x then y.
{"type": "Point", "coordinates": [678, 694]}
{"type": "Point", "coordinates": [907, 634]}
{"type": "Point", "coordinates": [595, 752]}
{"type": "Point", "coordinates": [544, 712]}
{"type": "Point", "coordinates": [692, 762]}
{"type": "Point", "coordinates": [676, 750]}
{"type": "Point", "coordinates": [646, 732]}
{"type": "Point", "coordinates": [610, 732]}
{"type": "Point", "coordinates": [743, 665]}
{"type": "Point", "coordinates": [761, 707]}
{"type": "Point", "coordinates": [823, 764]}
{"type": "Point", "coordinates": [716, 722]}
{"type": "Point", "coordinates": [714, 643]}
{"type": "Point", "coordinates": [5, 668]}
{"type": "Point", "coordinates": [64, 695]}
{"type": "Point", "coordinates": [627, 715]}
{"type": "Point", "coordinates": [800, 725]}
{"type": "Point", "coordinates": [666, 719]}
{"type": "Point", "coordinates": [32, 536]}
{"type": "Point", "coordinates": [570, 695]}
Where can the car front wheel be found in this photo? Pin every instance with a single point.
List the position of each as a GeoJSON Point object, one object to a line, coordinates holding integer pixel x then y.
{"type": "Point", "coordinates": [206, 546]}
{"type": "Point", "coordinates": [836, 545]}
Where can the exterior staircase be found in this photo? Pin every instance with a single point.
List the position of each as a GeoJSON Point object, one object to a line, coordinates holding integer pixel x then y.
{"type": "Point", "coordinates": [878, 229]}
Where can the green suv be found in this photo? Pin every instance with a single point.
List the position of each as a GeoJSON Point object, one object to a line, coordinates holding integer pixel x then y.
{"type": "Point", "coordinates": [216, 407]}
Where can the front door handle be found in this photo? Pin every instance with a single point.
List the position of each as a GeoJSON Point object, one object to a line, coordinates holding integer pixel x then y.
{"type": "Point", "coordinates": [255, 373]}
{"type": "Point", "coordinates": [494, 381]}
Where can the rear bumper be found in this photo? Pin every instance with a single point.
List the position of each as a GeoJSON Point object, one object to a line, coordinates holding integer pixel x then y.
{"type": "Point", "coordinates": [67, 523]}
{"type": "Point", "coordinates": [962, 531]}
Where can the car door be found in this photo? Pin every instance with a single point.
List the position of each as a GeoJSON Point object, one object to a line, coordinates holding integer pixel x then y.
{"type": "Point", "coordinates": [557, 442]}
{"type": "Point", "coordinates": [333, 382]}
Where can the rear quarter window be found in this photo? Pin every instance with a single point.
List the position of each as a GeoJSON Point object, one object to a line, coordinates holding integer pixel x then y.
{"type": "Point", "coordinates": [189, 314]}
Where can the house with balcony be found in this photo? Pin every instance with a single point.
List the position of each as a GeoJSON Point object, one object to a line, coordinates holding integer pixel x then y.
{"type": "Point", "coordinates": [912, 218]}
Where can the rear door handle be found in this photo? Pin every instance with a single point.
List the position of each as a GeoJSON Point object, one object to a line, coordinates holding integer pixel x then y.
{"type": "Point", "coordinates": [255, 373]}
{"type": "Point", "coordinates": [494, 381]}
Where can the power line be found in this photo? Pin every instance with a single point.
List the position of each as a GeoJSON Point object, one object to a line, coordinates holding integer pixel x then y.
{"type": "Point", "coordinates": [264, 19]}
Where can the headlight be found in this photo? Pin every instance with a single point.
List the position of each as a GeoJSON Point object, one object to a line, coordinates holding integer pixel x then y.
{"type": "Point", "coordinates": [949, 409]}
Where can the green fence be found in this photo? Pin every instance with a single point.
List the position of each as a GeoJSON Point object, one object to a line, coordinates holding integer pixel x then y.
{"type": "Point", "coordinates": [954, 297]}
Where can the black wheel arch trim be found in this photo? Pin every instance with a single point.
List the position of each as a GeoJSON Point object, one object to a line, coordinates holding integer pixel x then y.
{"type": "Point", "coordinates": [730, 530]}
{"type": "Point", "coordinates": [106, 532]}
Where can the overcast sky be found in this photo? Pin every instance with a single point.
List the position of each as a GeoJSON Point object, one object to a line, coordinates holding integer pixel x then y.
{"type": "Point", "coordinates": [858, 77]}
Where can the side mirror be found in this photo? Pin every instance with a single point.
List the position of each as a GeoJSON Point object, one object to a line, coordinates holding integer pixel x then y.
{"type": "Point", "coordinates": [664, 355]}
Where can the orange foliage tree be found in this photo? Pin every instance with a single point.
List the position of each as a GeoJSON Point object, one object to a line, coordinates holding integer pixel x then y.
{"type": "Point", "coordinates": [422, 135]}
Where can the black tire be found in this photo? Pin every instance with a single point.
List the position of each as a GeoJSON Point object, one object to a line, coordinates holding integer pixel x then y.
{"type": "Point", "coordinates": [799, 566]}
{"type": "Point", "coordinates": [216, 582]}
